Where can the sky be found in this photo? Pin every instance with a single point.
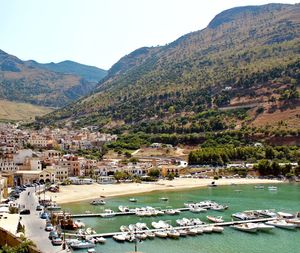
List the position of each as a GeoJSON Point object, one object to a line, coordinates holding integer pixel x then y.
{"type": "Point", "coordinates": [100, 32]}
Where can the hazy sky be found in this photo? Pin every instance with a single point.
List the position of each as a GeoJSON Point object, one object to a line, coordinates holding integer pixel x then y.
{"type": "Point", "coordinates": [100, 32]}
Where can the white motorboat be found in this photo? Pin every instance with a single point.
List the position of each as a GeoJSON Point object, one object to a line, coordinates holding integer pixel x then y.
{"type": "Point", "coordinates": [245, 227]}
{"type": "Point", "coordinates": [183, 222]}
{"type": "Point", "coordinates": [108, 213]}
{"type": "Point", "coordinates": [173, 234]}
{"type": "Point", "coordinates": [294, 221]}
{"type": "Point", "coordinates": [217, 229]}
{"type": "Point", "coordinates": [285, 215]}
{"type": "Point", "coordinates": [219, 208]}
{"type": "Point", "coordinates": [100, 239]}
{"type": "Point", "coordinates": [241, 216]}
{"type": "Point", "coordinates": [192, 231]}
{"type": "Point", "coordinates": [199, 231]}
{"type": "Point", "coordinates": [120, 237]}
{"type": "Point", "coordinates": [217, 219]}
{"type": "Point", "coordinates": [124, 228]}
{"type": "Point", "coordinates": [259, 187]}
{"type": "Point", "coordinates": [141, 236]}
{"type": "Point", "coordinates": [207, 229]}
{"type": "Point", "coordinates": [160, 225]}
{"type": "Point", "coordinates": [98, 202]}
{"type": "Point", "coordinates": [263, 227]}
{"type": "Point", "coordinates": [150, 234]}
{"type": "Point", "coordinates": [267, 213]}
{"type": "Point", "coordinates": [281, 224]}
{"type": "Point", "coordinates": [182, 232]}
{"type": "Point", "coordinates": [82, 245]}
{"type": "Point", "coordinates": [196, 209]}
{"type": "Point", "coordinates": [161, 234]}
{"type": "Point", "coordinates": [164, 199]}
{"type": "Point", "coordinates": [170, 212]}
{"type": "Point", "coordinates": [133, 200]}
{"type": "Point", "coordinates": [124, 209]}
{"type": "Point", "coordinates": [92, 250]}
{"type": "Point", "coordinates": [141, 226]}
{"type": "Point", "coordinates": [272, 188]}
{"type": "Point", "coordinates": [196, 221]}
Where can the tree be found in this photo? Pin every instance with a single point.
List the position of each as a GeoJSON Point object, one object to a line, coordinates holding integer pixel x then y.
{"type": "Point", "coordinates": [154, 172]}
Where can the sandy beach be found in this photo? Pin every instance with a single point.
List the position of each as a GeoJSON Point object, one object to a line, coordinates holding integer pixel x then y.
{"type": "Point", "coordinates": [74, 193]}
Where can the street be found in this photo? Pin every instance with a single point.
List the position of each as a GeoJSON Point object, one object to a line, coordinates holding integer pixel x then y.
{"type": "Point", "coordinates": [34, 225]}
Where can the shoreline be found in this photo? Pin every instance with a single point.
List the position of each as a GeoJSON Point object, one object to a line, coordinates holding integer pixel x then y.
{"type": "Point", "coordinates": [79, 193]}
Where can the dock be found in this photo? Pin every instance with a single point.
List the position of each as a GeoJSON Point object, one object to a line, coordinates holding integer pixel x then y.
{"type": "Point", "coordinates": [222, 224]}
{"type": "Point", "coordinates": [90, 215]}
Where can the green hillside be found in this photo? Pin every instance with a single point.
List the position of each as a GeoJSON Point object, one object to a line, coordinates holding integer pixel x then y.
{"type": "Point", "coordinates": [247, 57]}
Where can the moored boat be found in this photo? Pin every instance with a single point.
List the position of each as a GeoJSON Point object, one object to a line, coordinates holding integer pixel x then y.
{"type": "Point", "coordinates": [245, 227]}
{"type": "Point", "coordinates": [98, 202]}
{"type": "Point", "coordinates": [263, 227]}
{"type": "Point", "coordinates": [100, 239]}
{"type": "Point", "coordinates": [133, 200]}
{"type": "Point", "coordinates": [217, 219]}
{"type": "Point", "coordinates": [281, 224]}
{"type": "Point", "coordinates": [173, 234]}
{"type": "Point", "coordinates": [161, 234]}
{"type": "Point", "coordinates": [82, 245]}
{"type": "Point", "coordinates": [108, 213]}
{"type": "Point", "coordinates": [217, 229]}
{"type": "Point", "coordinates": [285, 215]}
{"type": "Point", "coordinates": [119, 237]}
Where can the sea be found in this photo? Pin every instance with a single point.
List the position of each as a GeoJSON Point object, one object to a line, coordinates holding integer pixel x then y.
{"type": "Point", "coordinates": [237, 197]}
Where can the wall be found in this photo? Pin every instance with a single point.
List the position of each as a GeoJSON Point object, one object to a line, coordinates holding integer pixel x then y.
{"type": "Point", "coordinates": [11, 240]}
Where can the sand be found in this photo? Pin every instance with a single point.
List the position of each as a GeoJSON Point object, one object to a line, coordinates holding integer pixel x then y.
{"type": "Point", "coordinates": [74, 193]}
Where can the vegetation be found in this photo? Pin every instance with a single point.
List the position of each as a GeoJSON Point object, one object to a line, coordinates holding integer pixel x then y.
{"type": "Point", "coordinates": [177, 88]}
{"type": "Point", "coordinates": [21, 248]}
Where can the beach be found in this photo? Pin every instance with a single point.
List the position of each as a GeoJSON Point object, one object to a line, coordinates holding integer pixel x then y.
{"type": "Point", "coordinates": [74, 193]}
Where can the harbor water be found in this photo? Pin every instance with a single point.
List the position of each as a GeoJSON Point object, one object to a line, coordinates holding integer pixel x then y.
{"type": "Point", "coordinates": [239, 198]}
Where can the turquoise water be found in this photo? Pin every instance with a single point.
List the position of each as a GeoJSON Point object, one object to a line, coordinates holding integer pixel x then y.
{"type": "Point", "coordinates": [287, 198]}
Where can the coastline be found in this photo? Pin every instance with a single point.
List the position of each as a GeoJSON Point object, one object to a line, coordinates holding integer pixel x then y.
{"type": "Point", "coordinates": [77, 193]}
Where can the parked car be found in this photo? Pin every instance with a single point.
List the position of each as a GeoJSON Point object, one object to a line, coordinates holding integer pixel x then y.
{"type": "Point", "coordinates": [49, 227]}
{"type": "Point", "coordinates": [25, 211]}
{"type": "Point", "coordinates": [39, 208]}
{"type": "Point", "coordinates": [57, 241]}
{"type": "Point", "coordinates": [53, 234]}
{"type": "Point", "coordinates": [44, 216]}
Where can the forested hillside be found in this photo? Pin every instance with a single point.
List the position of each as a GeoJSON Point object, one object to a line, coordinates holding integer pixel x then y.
{"type": "Point", "coordinates": [238, 71]}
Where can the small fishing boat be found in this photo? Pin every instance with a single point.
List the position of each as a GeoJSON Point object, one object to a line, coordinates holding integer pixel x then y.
{"type": "Point", "coordinates": [124, 228]}
{"type": "Point", "coordinates": [267, 213]}
{"type": "Point", "coordinates": [207, 229]}
{"type": "Point", "coordinates": [281, 224]}
{"type": "Point", "coordinates": [263, 227]}
{"type": "Point", "coordinates": [199, 231]}
{"type": "Point", "coordinates": [164, 199]}
{"type": "Point", "coordinates": [294, 221]}
{"type": "Point", "coordinates": [272, 188]}
{"type": "Point", "coordinates": [192, 231]}
{"type": "Point", "coordinates": [161, 234]}
{"type": "Point", "coordinates": [124, 209]}
{"type": "Point", "coordinates": [217, 229]}
{"type": "Point", "coordinates": [173, 234]}
{"type": "Point", "coordinates": [150, 234]}
{"type": "Point", "coordinates": [196, 209]}
{"type": "Point", "coordinates": [245, 227]}
{"type": "Point", "coordinates": [171, 212]}
{"type": "Point", "coordinates": [141, 236]}
{"type": "Point", "coordinates": [182, 232]}
{"type": "Point", "coordinates": [100, 240]}
{"type": "Point", "coordinates": [217, 219]}
{"type": "Point", "coordinates": [82, 245]}
{"type": "Point", "coordinates": [92, 250]}
{"type": "Point", "coordinates": [120, 237]}
{"type": "Point", "coordinates": [133, 200]}
{"type": "Point", "coordinates": [108, 213]}
{"type": "Point", "coordinates": [285, 215]}
{"type": "Point", "coordinates": [259, 187]}
{"type": "Point", "coordinates": [98, 202]}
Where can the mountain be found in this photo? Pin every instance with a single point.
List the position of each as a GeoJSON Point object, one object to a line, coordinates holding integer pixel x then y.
{"type": "Point", "coordinates": [89, 73]}
{"type": "Point", "coordinates": [53, 85]}
{"type": "Point", "coordinates": [242, 69]}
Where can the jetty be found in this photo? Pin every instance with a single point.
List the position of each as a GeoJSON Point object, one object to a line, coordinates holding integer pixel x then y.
{"type": "Point", "coordinates": [223, 224]}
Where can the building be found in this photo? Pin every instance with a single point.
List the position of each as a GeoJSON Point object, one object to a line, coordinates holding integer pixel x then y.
{"type": "Point", "coordinates": [7, 165]}
{"type": "Point", "coordinates": [62, 173]}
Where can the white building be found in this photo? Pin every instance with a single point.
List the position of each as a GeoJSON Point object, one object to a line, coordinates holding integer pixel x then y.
{"type": "Point", "coordinates": [8, 165]}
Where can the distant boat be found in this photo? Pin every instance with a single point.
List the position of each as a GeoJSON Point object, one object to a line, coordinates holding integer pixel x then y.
{"type": "Point", "coordinates": [245, 227]}
{"type": "Point", "coordinates": [98, 202]}
{"type": "Point", "coordinates": [108, 213]}
{"type": "Point", "coordinates": [133, 200]}
{"type": "Point", "coordinates": [215, 219]}
{"type": "Point", "coordinates": [285, 215]}
{"type": "Point", "coordinates": [164, 199]}
{"type": "Point", "coordinates": [272, 188]}
{"type": "Point", "coordinates": [281, 224]}
{"type": "Point", "coordinates": [212, 184]}
{"type": "Point", "coordinates": [259, 187]}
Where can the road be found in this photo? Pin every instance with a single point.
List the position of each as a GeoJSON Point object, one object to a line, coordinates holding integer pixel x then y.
{"type": "Point", "coordinates": [34, 225]}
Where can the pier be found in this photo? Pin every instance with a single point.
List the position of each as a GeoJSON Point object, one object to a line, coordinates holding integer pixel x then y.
{"type": "Point", "coordinates": [90, 215]}
{"type": "Point", "coordinates": [222, 224]}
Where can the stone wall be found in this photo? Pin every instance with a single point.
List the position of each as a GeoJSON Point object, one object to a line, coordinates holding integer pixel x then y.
{"type": "Point", "coordinates": [11, 240]}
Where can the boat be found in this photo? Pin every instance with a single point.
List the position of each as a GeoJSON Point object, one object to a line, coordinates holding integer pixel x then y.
{"type": "Point", "coordinates": [259, 187]}
{"type": "Point", "coordinates": [243, 216]}
{"type": "Point", "coordinates": [90, 231]}
{"type": "Point", "coordinates": [217, 219]}
{"type": "Point", "coordinates": [92, 250]}
{"type": "Point", "coordinates": [150, 234]}
{"type": "Point", "coordinates": [182, 232]}
{"type": "Point", "coordinates": [141, 236]}
{"type": "Point", "coordinates": [170, 212]}
{"type": "Point", "coordinates": [267, 213]}
{"type": "Point", "coordinates": [173, 234]}
{"type": "Point", "coordinates": [82, 245]}
{"type": "Point", "coordinates": [272, 188]}
{"type": "Point", "coordinates": [133, 200]}
{"type": "Point", "coordinates": [53, 207]}
{"type": "Point", "coordinates": [245, 227]}
{"type": "Point", "coordinates": [164, 199]}
{"type": "Point", "coordinates": [100, 239]}
{"type": "Point", "coordinates": [98, 202]}
{"type": "Point", "coordinates": [79, 224]}
{"type": "Point", "coordinates": [199, 231]}
{"type": "Point", "coordinates": [124, 209]}
{"type": "Point", "coordinates": [285, 215]}
{"type": "Point", "coordinates": [119, 237]}
{"type": "Point", "coordinates": [217, 229]}
{"type": "Point", "coordinates": [281, 224]}
{"type": "Point", "coordinates": [207, 229]}
{"type": "Point", "coordinates": [124, 228]}
{"type": "Point", "coordinates": [218, 208]}
{"type": "Point", "coordinates": [192, 231]}
{"type": "Point", "coordinates": [108, 213]}
{"type": "Point", "coordinates": [294, 221]}
{"type": "Point", "coordinates": [161, 234]}
{"type": "Point", "coordinates": [196, 209]}
{"type": "Point", "coordinates": [263, 227]}
{"type": "Point", "coordinates": [160, 225]}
